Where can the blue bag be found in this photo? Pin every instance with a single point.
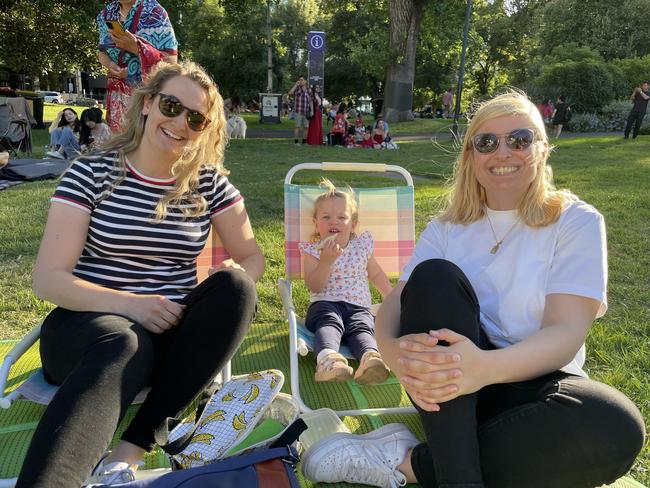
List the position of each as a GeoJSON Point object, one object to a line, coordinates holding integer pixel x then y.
{"type": "Point", "coordinates": [269, 468]}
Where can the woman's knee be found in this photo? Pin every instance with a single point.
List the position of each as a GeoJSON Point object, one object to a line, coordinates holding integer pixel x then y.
{"type": "Point", "coordinates": [612, 424]}
{"type": "Point", "coordinates": [434, 273]}
{"type": "Point", "coordinates": [439, 295]}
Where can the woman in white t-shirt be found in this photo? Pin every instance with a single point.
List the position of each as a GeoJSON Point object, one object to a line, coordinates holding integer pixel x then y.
{"type": "Point", "coordinates": [486, 331]}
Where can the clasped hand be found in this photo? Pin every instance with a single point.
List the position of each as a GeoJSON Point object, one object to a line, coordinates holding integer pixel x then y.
{"type": "Point", "coordinates": [433, 374]}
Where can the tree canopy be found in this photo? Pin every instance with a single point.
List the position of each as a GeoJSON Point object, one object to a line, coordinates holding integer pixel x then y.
{"type": "Point", "coordinates": [543, 46]}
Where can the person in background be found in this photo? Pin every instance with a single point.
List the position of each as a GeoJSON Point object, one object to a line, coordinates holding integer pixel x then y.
{"type": "Point", "coordinates": [315, 130]}
{"type": "Point", "coordinates": [546, 108]}
{"type": "Point", "coordinates": [94, 132]}
{"type": "Point", "coordinates": [301, 108]}
{"type": "Point", "coordinates": [639, 98]}
{"type": "Point", "coordinates": [118, 259]}
{"type": "Point", "coordinates": [380, 132]}
{"type": "Point", "coordinates": [129, 56]}
{"type": "Point", "coordinates": [561, 115]}
{"type": "Point", "coordinates": [339, 126]}
{"type": "Point", "coordinates": [64, 130]}
{"type": "Point", "coordinates": [367, 142]}
{"type": "Point", "coordinates": [446, 103]}
{"type": "Point", "coordinates": [486, 332]}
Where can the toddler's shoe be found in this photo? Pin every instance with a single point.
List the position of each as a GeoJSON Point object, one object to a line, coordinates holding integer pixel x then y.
{"type": "Point", "coordinates": [333, 367]}
{"type": "Point", "coordinates": [372, 369]}
{"type": "Point", "coordinates": [370, 459]}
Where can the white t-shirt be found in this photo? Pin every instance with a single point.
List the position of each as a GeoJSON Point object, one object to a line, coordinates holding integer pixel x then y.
{"type": "Point", "coordinates": [348, 281]}
{"type": "Point", "coordinates": [569, 256]}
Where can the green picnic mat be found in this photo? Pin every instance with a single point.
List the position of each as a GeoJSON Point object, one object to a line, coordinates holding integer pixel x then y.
{"type": "Point", "coordinates": [265, 347]}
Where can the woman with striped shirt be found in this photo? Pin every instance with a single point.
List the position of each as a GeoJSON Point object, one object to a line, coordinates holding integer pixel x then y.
{"type": "Point", "coordinates": [118, 258]}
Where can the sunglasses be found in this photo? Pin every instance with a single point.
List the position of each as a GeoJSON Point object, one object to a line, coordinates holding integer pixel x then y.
{"type": "Point", "coordinates": [171, 107]}
{"type": "Point", "coordinates": [517, 140]}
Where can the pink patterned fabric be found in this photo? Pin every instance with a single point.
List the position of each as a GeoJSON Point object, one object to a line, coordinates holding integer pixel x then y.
{"type": "Point", "coordinates": [348, 281]}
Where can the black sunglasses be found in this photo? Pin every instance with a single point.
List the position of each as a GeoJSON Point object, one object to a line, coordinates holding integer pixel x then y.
{"type": "Point", "coordinates": [518, 140]}
{"type": "Point", "coordinates": [170, 106]}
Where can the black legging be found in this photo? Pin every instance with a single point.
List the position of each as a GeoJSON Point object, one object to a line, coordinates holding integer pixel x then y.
{"type": "Point", "coordinates": [558, 430]}
{"type": "Point", "coordinates": [102, 361]}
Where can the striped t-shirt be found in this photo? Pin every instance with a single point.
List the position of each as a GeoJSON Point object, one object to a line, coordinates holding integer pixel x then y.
{"type": "Point", "coordinates": [126, 248]}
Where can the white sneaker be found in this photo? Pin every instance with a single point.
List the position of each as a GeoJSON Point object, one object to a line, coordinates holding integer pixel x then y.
{"type": "Point", "coordinates": [370, 459]}
{"type": "Point", "coordinates": [111, 474]}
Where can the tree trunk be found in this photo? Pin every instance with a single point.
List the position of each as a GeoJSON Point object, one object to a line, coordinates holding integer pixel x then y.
{"type": "Point", "coordinates": [405, 17]}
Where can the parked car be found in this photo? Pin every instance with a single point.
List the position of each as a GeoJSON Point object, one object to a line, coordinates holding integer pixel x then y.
{"type": "Point", "coordinates": [51, 96]}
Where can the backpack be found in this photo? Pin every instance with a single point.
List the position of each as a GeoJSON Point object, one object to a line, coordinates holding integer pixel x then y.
{"type": "Point", "coordinates": [265, 469]}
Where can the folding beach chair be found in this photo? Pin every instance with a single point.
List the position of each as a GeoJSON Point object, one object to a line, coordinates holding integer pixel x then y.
{"type": "Point", "coordinates": [15, 125]}
{"type": "Point", "coordinates": [387, 212]}
{"type": "Point", "coordinates": [37, 389]}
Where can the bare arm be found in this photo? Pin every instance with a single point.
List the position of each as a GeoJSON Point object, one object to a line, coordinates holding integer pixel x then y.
{"type": "Point", "coordinates": [378, 278]}
{"type": "Point", "coordinates": [63, 241]}
{"type": "Point", "coordinates": [234, 229]}
{"type": "Point", "coordinates": [113, 68]}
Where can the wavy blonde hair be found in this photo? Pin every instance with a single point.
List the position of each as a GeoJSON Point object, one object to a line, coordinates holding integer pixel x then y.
{"type": "Point", "coordinates": [540, 205]}
{"type": "Point", "coordinates": [332, 192]}
{"type": "Point", "coordinates": [207, 149]}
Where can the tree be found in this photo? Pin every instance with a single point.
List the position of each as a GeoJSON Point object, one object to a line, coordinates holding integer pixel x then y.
{"type": "Point", "coordinates": [405, 18]}
{"type": "Point", "coordinates": [615, 29]}
{"type": "Point", "coordinates": [47, 37]}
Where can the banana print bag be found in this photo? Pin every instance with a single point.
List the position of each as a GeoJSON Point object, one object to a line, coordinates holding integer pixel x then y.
{"type": "Point", "coordinates": [228, 417]}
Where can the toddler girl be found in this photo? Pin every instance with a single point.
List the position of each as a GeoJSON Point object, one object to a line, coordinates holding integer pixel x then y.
{"type": "Point", "coordinates": [338, 265]}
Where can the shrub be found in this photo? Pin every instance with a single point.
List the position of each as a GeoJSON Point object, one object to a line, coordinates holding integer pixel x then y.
{"type": "Point", "coordinates": [614, 115]}
{"type": "Point", "coordinates": [584, 122]}
{"type": "Point", "coordinates": [586, 84]}
{"type": "Point", "coordinates": [635, 70]}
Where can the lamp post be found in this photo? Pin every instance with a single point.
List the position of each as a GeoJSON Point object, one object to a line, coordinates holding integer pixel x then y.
{"type": "Point", "coordinates": [269, 49]}
{"type": "Point", "coordinates": [461, 70]}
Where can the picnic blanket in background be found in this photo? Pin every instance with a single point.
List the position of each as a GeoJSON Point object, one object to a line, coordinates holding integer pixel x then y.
{"type": "Point", "coordinates": [33, 169]}
{"type": "Point", "coordinates": [266, 346]}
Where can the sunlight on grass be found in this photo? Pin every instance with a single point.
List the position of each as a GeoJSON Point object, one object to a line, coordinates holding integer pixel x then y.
{"type": "Point", "coordinates": [611, 174]}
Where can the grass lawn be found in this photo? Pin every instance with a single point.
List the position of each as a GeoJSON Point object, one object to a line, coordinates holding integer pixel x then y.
{"type": "Point", "coordinates": [610, 173]}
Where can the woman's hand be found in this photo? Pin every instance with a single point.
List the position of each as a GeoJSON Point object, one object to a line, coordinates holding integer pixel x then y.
{"type": "Point", "coordinates": [424, 368]}
{"type": "Point", "coordinates": [226, 264]}
{"type": "Point", "coordinates": [155, 313]}
{"type": "Point", "coordinates": [118, 72]}
{"type": "Point", "coordinates": [126, 41]}
{"type": "Point", "coordinates": [432, 378]}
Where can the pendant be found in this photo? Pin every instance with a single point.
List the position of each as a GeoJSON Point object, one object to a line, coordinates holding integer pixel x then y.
{"type": "Point", "coordinates": [495, 248]}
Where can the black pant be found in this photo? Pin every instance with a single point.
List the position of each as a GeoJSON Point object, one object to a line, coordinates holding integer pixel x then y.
{"type": "Point", "coordinates": [558, 430]}
{"type": "Point", "coordinates": [635, 118]}
{"type": "Point", "coordinates": [102, 361]}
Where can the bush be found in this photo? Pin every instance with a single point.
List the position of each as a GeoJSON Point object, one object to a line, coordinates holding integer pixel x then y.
{"type": "Point", "coordinates": [611, 118]}
{"type": "Point", "coordinates": [585, 122]}
{"type": "Point", "coordinates": [587, 84]}
{"type": "Point", "coordinates": [635, 71]}
{"type": "Point", "coordinates": [615, 114]}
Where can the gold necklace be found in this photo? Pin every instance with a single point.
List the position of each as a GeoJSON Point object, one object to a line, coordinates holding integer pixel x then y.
{"type": "Point", "coordinates": [498, 242]}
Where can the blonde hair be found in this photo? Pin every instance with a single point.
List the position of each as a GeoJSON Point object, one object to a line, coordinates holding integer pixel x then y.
{"type": "Point", "coordinates": [540, 205]}
{"type": "Point", "coordinates": [332, 192]}
{"type": "Point", "coordinates": [208, 148]}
